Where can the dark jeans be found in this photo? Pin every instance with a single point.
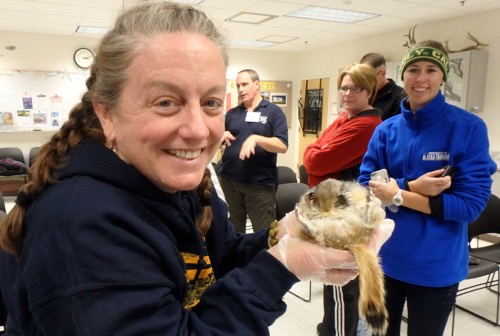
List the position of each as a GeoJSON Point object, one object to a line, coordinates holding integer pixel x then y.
{"type": "Point", "coordinates": [428, 307]}
{"type": "Point", "coordinates": [341, 310]}
{"type": "Point", "coordinates": [258, 201]}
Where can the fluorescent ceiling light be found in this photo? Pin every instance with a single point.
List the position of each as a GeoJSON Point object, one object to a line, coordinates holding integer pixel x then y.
{"type": "Point", "coordinates": [249, 43]}
{"type": "Point", "coordinates": [278, 39]}
{"type": "Point", "coordinates": [330, 14]}
{"type": "Point", "coordinates": [92, 30]}
{"type": "Point", "coordinates": [190, 2]}
{"type": "Point", "coordinates": [253, 18]}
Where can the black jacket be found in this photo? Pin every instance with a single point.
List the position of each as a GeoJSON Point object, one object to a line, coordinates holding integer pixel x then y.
{"type": "Point", "coordinates": [388, 99]}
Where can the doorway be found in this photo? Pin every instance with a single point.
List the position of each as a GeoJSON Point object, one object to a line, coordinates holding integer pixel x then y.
{"type": "Point", "coordinates": [313, 112]}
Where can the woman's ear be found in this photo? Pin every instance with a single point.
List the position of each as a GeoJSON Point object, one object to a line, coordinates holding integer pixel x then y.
{"type": "Point", "coordinates": [105, 116]}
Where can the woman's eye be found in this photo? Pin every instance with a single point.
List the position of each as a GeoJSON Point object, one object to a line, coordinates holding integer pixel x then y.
{"type": "Point", "coordinates": [165, 103]}
{"type": "Point", "coordinates": [213, 103]}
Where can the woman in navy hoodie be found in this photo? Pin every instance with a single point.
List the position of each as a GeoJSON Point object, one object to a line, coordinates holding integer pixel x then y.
{"type": "Point", "coordinates": [427, 255]}
{"type": "Point", "coordinates": [118, 230]}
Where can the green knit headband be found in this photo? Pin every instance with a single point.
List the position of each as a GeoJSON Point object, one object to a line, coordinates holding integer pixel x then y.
{"type": "Point", "coordinates": [428, 54]}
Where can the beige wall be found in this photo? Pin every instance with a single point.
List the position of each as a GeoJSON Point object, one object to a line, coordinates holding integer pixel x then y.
{"type": "Point", "coordinates": [47, 52]}
{"type": "Point", "coordinates": [482, 26]}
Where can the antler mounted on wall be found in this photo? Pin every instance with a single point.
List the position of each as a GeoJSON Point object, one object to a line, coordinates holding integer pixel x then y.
{"type": "Point", "coordinates": [478, 45]}
{"type": "Point", "coordinates": [411, 38]}
{"type": "Point", "coordinates": [411, 42]}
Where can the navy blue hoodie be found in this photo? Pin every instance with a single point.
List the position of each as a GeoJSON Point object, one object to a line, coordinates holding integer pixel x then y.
{"type": "Point", "coordinates": [102, 255]}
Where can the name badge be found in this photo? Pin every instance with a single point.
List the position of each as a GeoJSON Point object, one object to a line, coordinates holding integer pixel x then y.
{"type": "Point", "coordinates": [252, 117]}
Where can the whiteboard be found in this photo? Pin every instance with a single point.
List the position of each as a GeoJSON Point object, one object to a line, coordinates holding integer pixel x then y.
{"type": "Point", "coordinates": [38, 100]}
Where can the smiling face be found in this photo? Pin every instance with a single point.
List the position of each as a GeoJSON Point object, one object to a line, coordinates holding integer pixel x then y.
{"type": "Point", "coordinates": [422, 82]}
{"type": "Point", "coordinates": [353, 102]}
{"type": "Point", "coordinates": [170, 118]}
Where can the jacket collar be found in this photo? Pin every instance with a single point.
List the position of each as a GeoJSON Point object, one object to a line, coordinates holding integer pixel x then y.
{"type": "Point", "coordinates": [427, 115]}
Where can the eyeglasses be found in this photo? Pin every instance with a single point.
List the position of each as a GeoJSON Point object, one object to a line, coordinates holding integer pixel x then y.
{"type": "Point", "coordinates": [354, 89]}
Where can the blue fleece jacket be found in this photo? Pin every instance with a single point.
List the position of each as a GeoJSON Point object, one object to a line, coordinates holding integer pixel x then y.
{"type": "Point", "coordinates": [431, 250]}
{"type": "Point", "coordinates": [103, 255]}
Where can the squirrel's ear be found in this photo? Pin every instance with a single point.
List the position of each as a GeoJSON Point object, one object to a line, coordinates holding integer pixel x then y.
{"type": "Point", "coordinates": [312, 199]}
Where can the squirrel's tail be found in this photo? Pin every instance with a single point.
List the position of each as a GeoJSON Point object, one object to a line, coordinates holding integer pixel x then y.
{"type": "Point", "coordinates": [371, 289]}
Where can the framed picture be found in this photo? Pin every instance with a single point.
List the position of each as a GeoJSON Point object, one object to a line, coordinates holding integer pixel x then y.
{"type": "Point", "coordinates": [265, 95]}
{"type": "Point", "coordinates": [279, 99]}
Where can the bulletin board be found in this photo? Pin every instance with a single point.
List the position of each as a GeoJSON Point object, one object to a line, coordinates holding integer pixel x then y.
{"type": "Point", "coordinates": [38, 100]}
{"type": "Point", "coordinates": [41, 100]}
{"type": "Point", "coordinates": [277, 92]}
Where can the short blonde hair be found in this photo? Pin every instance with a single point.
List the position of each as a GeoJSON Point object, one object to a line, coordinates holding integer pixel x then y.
{"type": "Point", "coordinates": [363, 76]}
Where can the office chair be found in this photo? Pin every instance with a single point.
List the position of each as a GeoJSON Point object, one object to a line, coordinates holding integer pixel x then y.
{"type": "Point", "coordinates": [483, 261]}
{"type": "Point", "coordinates": [303, 176]}
{"type": "Point", "coordinates": [2, 203]}
{"type": "Point", "coordinates": [33, 155]}
{"type": "Point", "coordinates": [487, 269]}
{"type": "Point", "coordinates": [286, 175]}
{"type": "Point", "coordinates": [12, 179]}
{"type": "Point", "coordinates": [487, 222]}
{"type": "Point", "coordinates": [287, 195]}
{"type": "Point", "coordinates": [13, 153]}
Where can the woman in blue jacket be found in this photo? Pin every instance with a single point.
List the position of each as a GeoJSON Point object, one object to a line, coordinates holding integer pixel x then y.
{"type": "Point", "coordinates": [118, 230]}
{"type": "Point", "coordinates": [427, 255]}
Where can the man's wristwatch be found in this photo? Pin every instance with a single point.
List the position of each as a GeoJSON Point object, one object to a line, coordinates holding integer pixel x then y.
{"type": "Point", "coordinates": [398, 199]}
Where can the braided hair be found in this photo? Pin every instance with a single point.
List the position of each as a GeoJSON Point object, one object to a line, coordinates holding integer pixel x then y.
{"type": "Point", "coordinates": [108, 76]}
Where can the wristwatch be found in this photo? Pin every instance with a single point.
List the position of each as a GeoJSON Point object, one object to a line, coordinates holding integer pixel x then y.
{"type": "Point", "coordinates": [398, 199]}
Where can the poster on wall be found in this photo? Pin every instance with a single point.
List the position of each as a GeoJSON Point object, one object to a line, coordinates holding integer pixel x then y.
{"type": "Point", "coordinates": [6, 118]}
{"type": "Point", "coordinates": [24, 118]}
{"type": "Point", "coordinates": [38, 100]}
{"type": "Point", "coordinates": [279, 99]}
{"type": "Point", "coordinates": [29, 112]}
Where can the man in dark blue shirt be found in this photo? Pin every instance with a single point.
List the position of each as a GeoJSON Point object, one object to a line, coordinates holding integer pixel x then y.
{"type": "Point", "coordinates": [256, 130]}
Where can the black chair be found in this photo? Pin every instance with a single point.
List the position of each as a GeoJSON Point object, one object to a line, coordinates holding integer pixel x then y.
{"type": "Point", "coordinates": [483, 261]}
{"type": "Point", "coordinates": [12, 179]}
{"type": "Point", "coordinates": [2, 203]}
{"type": "Point", "coordinates": [303, 176]}
{"type": "Point", "coordinates": [286, 175]}
{"type": "Point", "coordinates": [287, 195]}
{"type": "Point", "coordinates": [484, 269]}
{"type": "Point", "coordinates": [13, 153]}
{"type": "Point", "coordinates": [487, 222]}
{"type": "Point", "coordinates": [33, 155]}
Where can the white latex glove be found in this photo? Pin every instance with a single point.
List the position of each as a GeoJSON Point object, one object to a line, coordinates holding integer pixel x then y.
{"type": "Point", "coordinates": [288, 225]}
{"type": "Point", "coordinates": [311, 262]}
{"type": "Point", "coordinates": [381, 234]}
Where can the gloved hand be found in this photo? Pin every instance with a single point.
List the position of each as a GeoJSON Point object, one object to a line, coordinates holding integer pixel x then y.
{"type": "Point", "coordinates": [288, 225]}
{"type": "Point", "coordinates": [311, 262]}
{"type": "Point", "coordinates": [381, 234]}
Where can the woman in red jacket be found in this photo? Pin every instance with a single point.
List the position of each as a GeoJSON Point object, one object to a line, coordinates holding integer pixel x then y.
{"type": "Point", "coordinates": [338, 153]}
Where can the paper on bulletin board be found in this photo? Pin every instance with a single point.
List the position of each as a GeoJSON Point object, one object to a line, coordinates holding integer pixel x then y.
{"type": "Point", "coordinates": [38, 100]}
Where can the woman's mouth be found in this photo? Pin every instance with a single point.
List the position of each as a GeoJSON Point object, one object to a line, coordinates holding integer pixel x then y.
{"type": "Point", "coordinates": [184, 154]}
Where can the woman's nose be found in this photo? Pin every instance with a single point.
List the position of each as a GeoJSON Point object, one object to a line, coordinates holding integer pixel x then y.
{"type": "Point", "coordinates": [194, 123]}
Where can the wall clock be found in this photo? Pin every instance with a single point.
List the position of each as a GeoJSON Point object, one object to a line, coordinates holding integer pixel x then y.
{"type": "Point", "coordinates": [84, 57]}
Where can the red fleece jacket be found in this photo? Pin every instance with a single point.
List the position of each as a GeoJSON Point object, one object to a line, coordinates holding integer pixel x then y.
{"type": "Point", "coordinates": [341, 146]}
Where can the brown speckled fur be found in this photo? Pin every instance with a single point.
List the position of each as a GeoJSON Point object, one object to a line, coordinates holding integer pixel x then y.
{"type": "Point", "coordinates": [343, 215]}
